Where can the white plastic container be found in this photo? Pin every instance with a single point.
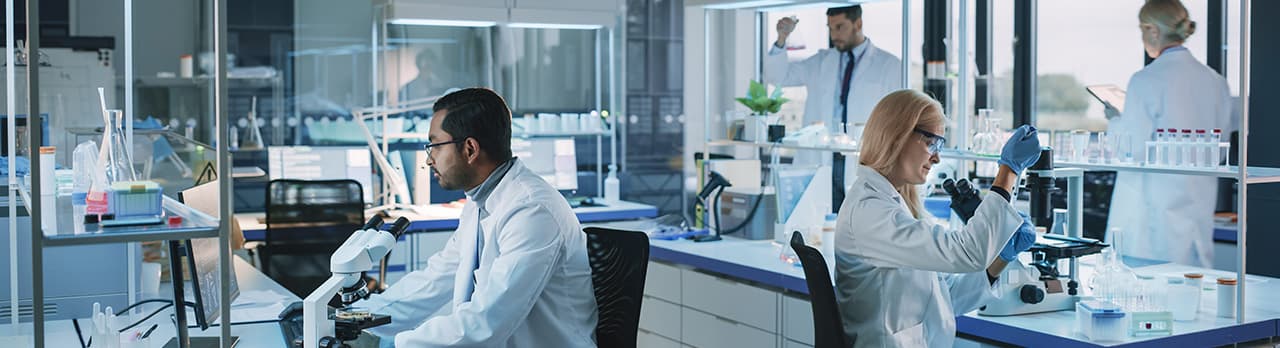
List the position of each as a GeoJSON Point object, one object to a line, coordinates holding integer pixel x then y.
{"type": "Point", "coordinates": [1184, 297]}
{"type": "Point", "coordinates": [1101, 320]}
{"type": "Point", "coordinates": [1226, 297]}
{"type": "Point", "coordinates": [1186, 152]}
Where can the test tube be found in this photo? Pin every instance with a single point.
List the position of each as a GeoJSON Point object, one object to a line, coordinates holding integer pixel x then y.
{"type": "Point", "coordinates": [1079, 145]}
{"type": "Point", "coordinates": [1187, 143]}
{"type": "Point", "coordinates": [1202, 149]}
{"type": "Point", "coordinates": [1153, 147]}
{"type": "Point", "coordinates": [1215, 152]}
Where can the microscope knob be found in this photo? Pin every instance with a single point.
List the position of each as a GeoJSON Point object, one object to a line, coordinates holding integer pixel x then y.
{"type": "Point", "coordinates": [1031, 294]}
{"type": "Point", "coordinates": [330, 342]}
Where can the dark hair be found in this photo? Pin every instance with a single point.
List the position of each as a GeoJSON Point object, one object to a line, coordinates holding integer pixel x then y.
{"type": "Point", "coordinates": [852, 12]}
{"type": "Point", "coordinates": [478, 113]}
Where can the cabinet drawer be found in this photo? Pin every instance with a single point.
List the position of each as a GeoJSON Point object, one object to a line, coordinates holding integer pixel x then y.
{"type": "Point", "coordinates": [731, 300]}
{"type": "Point", "coordinates": [662, 281]}
{"type": "Point", "coordinates": [645, 339]}
{"type": "Point", "coordinates": [794, 344]}
{"type": "Point", "coordinates": [660, 317]}
{"type": "Point", "coordinates": [707, 331]}
{"type": "Point", "coordinates": [797, 319]}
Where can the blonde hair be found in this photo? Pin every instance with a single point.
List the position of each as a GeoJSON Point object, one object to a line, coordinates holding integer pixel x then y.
{"type": "Point", "coordinates": [1170, 17]}
{"type": "Point", "coordinates": [888, 130]}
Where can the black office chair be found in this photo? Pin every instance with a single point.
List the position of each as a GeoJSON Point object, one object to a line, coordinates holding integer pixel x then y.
{"type": "Point", "coordinates": [828, 327]}
{"type": "Point", "coordinates": [306, 222]}
{"type": "Point", "coordinates": [619, 260]}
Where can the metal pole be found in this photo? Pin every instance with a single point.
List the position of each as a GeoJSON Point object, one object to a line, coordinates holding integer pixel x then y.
{"type": "Point", "coordinates": [906, 44]}
{"type": "Point", "coordinates": [1024, 62]}
{"type": "Point", "coordinates": [34, 134]}
{"type": "Point", "coordinates": [11, 142]}
{"type": "Point", "coordinates": [598, 106]}
{"type": "Point", "coordinates": [1243, 174]}
{"type": "Point", "coordinates": [962, 106]}
{"type": "Point", "coordinates": [128, 137]}
{"type": "Point", "coordinates": [224, 167]}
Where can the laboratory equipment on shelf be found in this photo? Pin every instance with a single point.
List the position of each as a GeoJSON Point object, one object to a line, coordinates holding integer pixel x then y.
{"type": "Point", "coordinates": [1185, 148]}
{"type": "Point", "coordinates": [1038, 287]}
{"type": "Point", "coordinates": [365, 248]}
{"type": "Point", "coordinates": [709, 196]}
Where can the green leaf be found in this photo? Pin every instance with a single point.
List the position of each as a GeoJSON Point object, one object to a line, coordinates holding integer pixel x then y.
{"type": "Point", "coordinates": [745, 102]}
{"type": "Point", "coordinates": [777, 92]}
{"type": "Point", "coordinates": [756, 90]}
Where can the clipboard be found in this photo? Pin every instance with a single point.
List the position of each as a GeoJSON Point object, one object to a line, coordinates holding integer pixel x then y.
{"type": "Point", "coordinates": [1110, 95]}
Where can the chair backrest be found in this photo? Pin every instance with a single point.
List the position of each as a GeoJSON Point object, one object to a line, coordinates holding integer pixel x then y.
{"type": "Point", "coordinates": [306, 222]}
{"type": "Point", "coordinates": [828, 327]}
{"type": "Point", "coordinates": [619, 260]}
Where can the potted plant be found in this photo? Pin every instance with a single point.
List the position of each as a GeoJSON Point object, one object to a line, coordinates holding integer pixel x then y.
{"type": "Point", "coordinates": [762, 105]}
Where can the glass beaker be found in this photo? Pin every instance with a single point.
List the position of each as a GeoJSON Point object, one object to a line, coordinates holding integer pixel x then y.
{"type": "Point", "coordinates": [1079, 145]}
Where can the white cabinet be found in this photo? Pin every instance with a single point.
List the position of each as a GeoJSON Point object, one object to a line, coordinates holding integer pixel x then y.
{"type": "Point", "coordinates": [645, 339]}
{"type": "Point", "coordinates": [709, 331]}
{"type": "Point", "coordinates": [731, 299]}
{"type": "Point", "coordinates": [797, 319]}
{"type": "Point", "coordinates": [702, 310]}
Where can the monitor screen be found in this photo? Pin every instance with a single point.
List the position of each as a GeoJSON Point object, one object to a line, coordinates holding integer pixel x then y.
{"type": "Point", "coordinates": [202, 260]}
{"type": "Point", "coordinates": [554, 159]}
{"type": "Point", "coordinates": [322, 163]}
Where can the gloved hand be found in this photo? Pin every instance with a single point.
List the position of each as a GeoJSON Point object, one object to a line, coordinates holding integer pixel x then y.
{"type": "Point", "coordinates": [964, 198]}
{"type": "Point", "coordinates": [1022, 150]}
{"type": "Point", "coordinates": [1022, 240]}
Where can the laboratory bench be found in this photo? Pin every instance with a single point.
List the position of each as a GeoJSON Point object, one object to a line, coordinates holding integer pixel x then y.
{"type": "Point", "coordinates": [417, 244]}
{"type": "Point", "coordinates": [253, 333]}
{"type": "Point", "coordinates": [742, 291]}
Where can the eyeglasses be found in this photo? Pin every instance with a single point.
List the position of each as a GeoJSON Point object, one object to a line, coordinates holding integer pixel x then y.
{"type": "Point", "coordinates": [935, 141]}
{"type": "Point", "coordinates": [431, 145]}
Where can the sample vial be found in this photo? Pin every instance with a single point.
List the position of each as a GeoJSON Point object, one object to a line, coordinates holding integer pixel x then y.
{"type": "Point", "coordinates": [1186, 144]}
{"type": "Point", "coordinates": [1202, 149]}
{"type": "Point", "coordinates": [1215, 148]}
{"type": "Point", "coordinates": [1153, 147]}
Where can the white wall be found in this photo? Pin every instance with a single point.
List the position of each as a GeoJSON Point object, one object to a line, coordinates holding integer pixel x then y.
{"type": "Point", "coordinates": [163, 30]}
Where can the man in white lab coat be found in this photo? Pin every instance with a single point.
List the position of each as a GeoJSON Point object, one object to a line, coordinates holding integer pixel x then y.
{"type": "Point", "coordinates": [515, 272]}
{"type": "Point", "coordinates": [843, 82]}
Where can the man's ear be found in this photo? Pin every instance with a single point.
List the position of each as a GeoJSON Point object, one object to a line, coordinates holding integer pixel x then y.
{"type": "Point", "coordinates": [471, 150]}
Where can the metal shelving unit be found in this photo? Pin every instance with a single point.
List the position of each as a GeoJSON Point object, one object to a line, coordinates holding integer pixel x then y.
{"type": "Point", "coordinates": [194, 225]}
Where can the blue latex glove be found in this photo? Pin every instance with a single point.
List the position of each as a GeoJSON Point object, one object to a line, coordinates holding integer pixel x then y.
{"type": "Point", "coordinates": [1022, 150]}
{"type": "Point", "coordinates": [1022, 240]}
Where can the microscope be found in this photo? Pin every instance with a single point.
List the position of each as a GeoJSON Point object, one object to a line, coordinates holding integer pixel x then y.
{"type": "Point", "coordinates": [1038, 287]}
{"type": "Point", "coordinates": [360, 252]}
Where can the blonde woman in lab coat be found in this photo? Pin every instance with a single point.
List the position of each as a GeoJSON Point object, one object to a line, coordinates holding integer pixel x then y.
{"type": "Point", "coordinates": [1165, 216]}
{"type": "Point", "coordinates": [900, 278]}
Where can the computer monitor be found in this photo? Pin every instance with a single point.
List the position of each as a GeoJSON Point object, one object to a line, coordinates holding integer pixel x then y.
{"type": "Point", "coordinates": [554, 159]}
{"type": "Point", "coordinates": [202, 260]}
{"type": "Point", "coordinates": [202, 257]}
{"type": "Point", "coordinates": [322, 163]}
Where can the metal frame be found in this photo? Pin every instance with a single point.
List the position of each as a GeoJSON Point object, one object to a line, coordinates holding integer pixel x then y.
{"type": "Point", "coordinates": [38, 242]}
{"type": "Point", "coordinates": [1024, 62]}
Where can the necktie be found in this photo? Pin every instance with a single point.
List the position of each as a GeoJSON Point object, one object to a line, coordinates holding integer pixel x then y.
{"type": "Point", "coordinates": [837, 159]}
{"type": "Point", "coordinates": [845, 85]}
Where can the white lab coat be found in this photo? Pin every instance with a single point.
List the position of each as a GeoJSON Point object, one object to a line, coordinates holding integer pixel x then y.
{"type": "Point", "coordinates": [1164, 216]}
{"type": "Point", "coordinates": [532, 284]}
{"type": "Point", "coordinates": [875, 75]}
{"type": "Point", "coordinates": [901, 281]}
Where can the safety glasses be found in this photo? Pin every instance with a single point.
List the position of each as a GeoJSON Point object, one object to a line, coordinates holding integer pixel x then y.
{"type": "Point", "coordinates": [936, 142]}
